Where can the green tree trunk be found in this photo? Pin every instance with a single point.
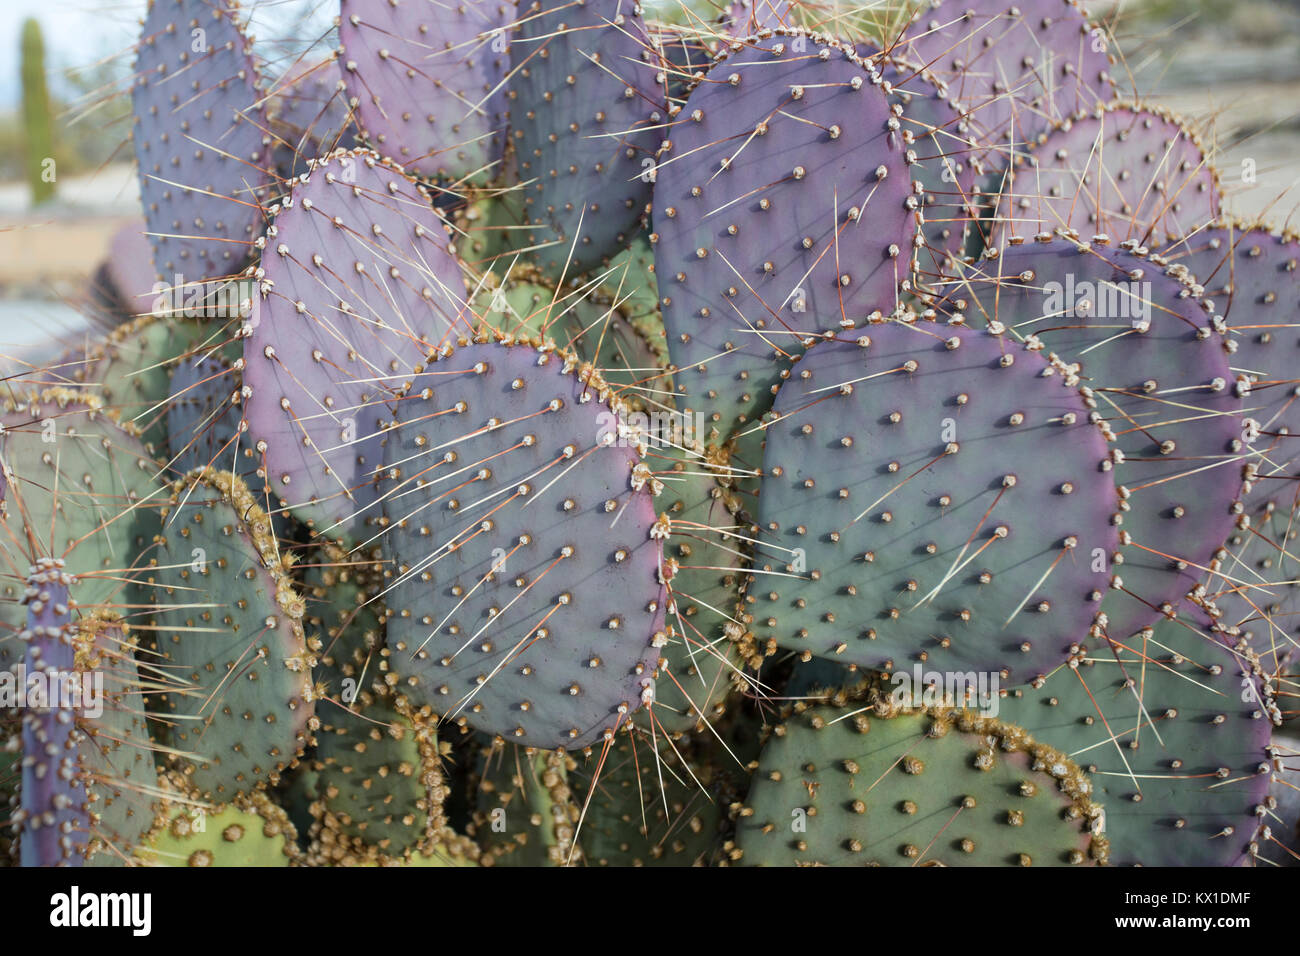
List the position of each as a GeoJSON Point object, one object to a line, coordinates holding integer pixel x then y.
{"type": "Point", "coordinates": [37, 117]}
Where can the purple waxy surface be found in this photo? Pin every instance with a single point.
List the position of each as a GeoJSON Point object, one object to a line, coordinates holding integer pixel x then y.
{"type": "Point", "coordinates": [201, 145]}
{"type": "Point", "coordinates": [1253, 591]}
{"type": "Point", "coordinates": [55, 820]}
{"type": "Point", "coordinates": [130, 269]}
{"type": "Point", "coordinates": [1125, 172]}
{"type": "Point", "coordinates": [1253, 278]}
{"type": "Point", "coordinates": [931, 494]}
{"type": "Point", "coordinates": [587, 106]}
{"type": "Point", "coordinates": [427, 81]}
{"type": "Point", "coordinates": [358, 283]}
{"type": "Point", "coordinates": [307, 108]}
{"type": "Point", "coordinates": [946, 154]}
{"type": "Point", "coordinates": [1014, 66]}
{"type": "Point", "coordinates": [526, 595]}
{"type": "Point", "coordinates": [1143, 346]}
{"type": "Point", "coordinates": [744, 18]}
{"type": "Point", "coordinates": [784, 208]}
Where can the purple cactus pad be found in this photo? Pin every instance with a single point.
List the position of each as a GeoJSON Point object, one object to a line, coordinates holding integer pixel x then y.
{"type": "Point", "coordinates": [358, 284]}
{"type": "Point", "coordinates": [202, 144]}
{"type": "Point", "coordinates": [426, 81]}
{"type": "Point", "coordinates": [784, 208]}
{"type": "Point", "coordinates": [931, 494]}
{"type": "Point", "coordinates": [526, 596]}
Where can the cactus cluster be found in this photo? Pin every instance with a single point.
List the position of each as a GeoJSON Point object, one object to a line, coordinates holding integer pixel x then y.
{"type": "Point", "coordinates": [562, 437]}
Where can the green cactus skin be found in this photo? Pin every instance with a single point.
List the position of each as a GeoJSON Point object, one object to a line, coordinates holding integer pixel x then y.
{"type": "Point", "coordinates": [249, 831]}
{"type": "Point", "coordinates": [38, 119]}
{"type": "Point", "coordinates": [242, 703]}
{"type": "Point", "coordinates": [648, 808]}
{"type": "Point", "coordinates": [81, 486]}
{"type": "Point", "coordinates": [586, 321]}
{"type": "Point", "coordinates": [525, 813]}
{"type": "Point", "coordinates": [118, 755]}
{"type": "Point", "coordinates": [855, 787]}
{"type": "Point", "coordinates": [345, 615]}
{"type": "Point", "coordinates": [378, 781]}
{"type": "Point", "coordinates": [704, 554]}
{"type": "Point", "coordinates": [131, 370]}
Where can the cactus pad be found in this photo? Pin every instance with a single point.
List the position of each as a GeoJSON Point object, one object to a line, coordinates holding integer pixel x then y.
{"type": "Point", "coordinates": [1124, 171]}
{"type": "Point", "coordinates": [784, 208]}
{"type": "Point", "coordinates": [1014, 66]}
{"type": "Point", "coordinates": [357, 283]}
{"type": "Point", "coordinates": [203, 149]}
{"type": "Point", "coordinates": [586, 103]}
{"type": "Point", "coordinates": [55, 818]}
{"type": "Point", "coordinates": [954, 516]}
{"type": "Point", "coordinates": [1251, 277]}
{"type": "Point", "coordinates": [1172, 727]}
{"type": "Point", "coordinates": [1142, 345]}
{"type": "Point", "coordinates": [846, 788]}
{"type": "Point", "coordinates": [526, 596]}
{"type": "Point", "coordinates": [243, 707]}
{"type": "Point", "coordinates": [426, 81]}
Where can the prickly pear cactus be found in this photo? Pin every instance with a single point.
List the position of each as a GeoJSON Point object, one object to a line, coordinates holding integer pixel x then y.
{"type": "Point", "coordinates": [1014, 66]}
{"type": "Point", "coordinates": [1155, 368]}
{"type": "Point", "coordinates": [1125, 171]}
{"type": "Point", "coordinates": [855, 788]}
{"type": "Point", "coordinates": [357, 283]}
{"type": "Point", "coordinates": [426, 82]}
{"type": "Point", "coordinates": [202, 144]}
{"type": "Point", "coordinates": [501, 466]}
{"type": "Point", "coordinates": [525, 813]}
{"type": "Point", "coordinates": [1248, 275]}
{"type": "Point", "coordinates": [54, 816]}
{"type": "Point", "coordinates": [760, 219]}
{"type": "Point", "coordinates": [240, 702]}
{"type": "Point", "coordinates": [249, 831]}
{"type": "Point", "coordinates": [587, 105]}
{"type": "Point", "coordinates": [551, 434]}
{"type": "Point", "coordinates": [961, 547]}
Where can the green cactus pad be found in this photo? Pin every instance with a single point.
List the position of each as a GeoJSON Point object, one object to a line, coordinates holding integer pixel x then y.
{"type": "Point", "coordinates": [346, 617]}
{"type": "Point", "coordinates": [846, 788]}
{"type": "Point", "coordinates": [229, 629]}
{"type": "Point", "coordinates": [704, 554]}
{"type": "Point", "coordinates": [118, 755]}
{"type": "Point", "coordinates": [132, 369]}
{"type": "Point", "coordinates": [247, 832]}
{"type": "Point", "coordinates": [82, 487]}
{"type": "Point", "coordinates": [379, 783]}
{"type": "Point", "coordinates": [525, 814]}
{"type": "Point", "coordinates": [586, 321]}
{"type": "Point", "coordinates": [647, 809]}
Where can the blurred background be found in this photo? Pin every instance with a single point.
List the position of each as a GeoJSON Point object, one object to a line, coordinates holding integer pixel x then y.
{"type": "Point", "coordinates": [1231, 67]}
